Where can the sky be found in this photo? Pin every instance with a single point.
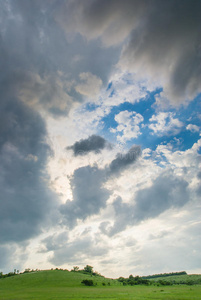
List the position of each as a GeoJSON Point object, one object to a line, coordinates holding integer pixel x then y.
{"type": "Point", "coordinates": [100, 135]}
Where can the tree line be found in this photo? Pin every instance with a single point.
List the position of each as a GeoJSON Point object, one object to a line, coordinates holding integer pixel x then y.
{"type": "Point", "coordinates": [87, 270]}
{"type": "Point", "coordinates": [165, 275]}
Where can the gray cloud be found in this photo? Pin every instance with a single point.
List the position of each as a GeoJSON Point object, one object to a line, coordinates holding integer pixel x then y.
{"type": "Point", "coordinates": [54, 242]}
{"type": "Point", "coordinates": [81, 248]}
{"type": "Point", "coordinates": [198, 190]}
{"type": "Point", "coordinates": [199, 175]}
{"type": "Point", "coordinates": [25, 197]}
{"type": "Point", "coordinates": [109, 20]}
{"type": "Point", "coordinates": [89, 195]}
{"type": "Point", "coordinates": [122, 161]}
{"type": "Point", "coordinates": [5, 254]}
{"type": "Point", "coordinates": [165, 44]}
{"type": "Point", "coordinates": [46, 63]}
{"type": "Point", "coordinates": [30, 59]}
{"type": "Point", "coordinates": [93, 143]}
{"type": "Point", "coordinates": [36, 75]}
{"type": "Point", "coordinates": [87, 183]}
{"type": "Point", "coordinates": [40, 92]}
{"type": "Point", "coordinates": [164, 38]}
{"type": "Point", "coordinates": [40, 63]}
{"type": "Point", "coordinates": [12, 257]}
{"type": "Point", "coordinates": [167, 191]}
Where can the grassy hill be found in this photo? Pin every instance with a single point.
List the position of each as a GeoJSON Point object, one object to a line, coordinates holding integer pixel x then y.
{"type": "Point", "coordinates": [62, 284]}
{"type": "Point", "coordinates": [56, 278]}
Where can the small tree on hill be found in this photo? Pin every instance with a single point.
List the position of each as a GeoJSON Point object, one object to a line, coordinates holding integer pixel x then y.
{"type": "Point", "coordinates": [88, 269]}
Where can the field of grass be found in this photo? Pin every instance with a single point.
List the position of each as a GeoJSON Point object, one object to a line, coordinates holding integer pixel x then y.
{"type": "Point", "coordinates": [60, 284]}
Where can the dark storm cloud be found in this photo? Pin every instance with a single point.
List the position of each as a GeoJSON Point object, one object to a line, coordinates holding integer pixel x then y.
{"type": "Point", "coordinates": [166, 44]}
{"type": "Point", "coordinates": [29, 72]}
{"type": "Point", "coordinates": [122, 161]}
{"type": "Point", "coordinates": [164, 38]}
{"type": "Point", "coordinates": [167, 191]}
{"type": "Point", "coordinates": [25, 198]}
{"type": "Point", "coordinates": [93, 143]}
{"type": "Point", "coordinates": [39, 62]}
{"type": "Point", "coordinates": [89, 195]}
{"type": "Point", "coordinates": [110, 20]}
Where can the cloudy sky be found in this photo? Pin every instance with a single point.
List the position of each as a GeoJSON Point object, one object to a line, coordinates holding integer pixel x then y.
{"type": "Point", "coordinates": [100, 135]}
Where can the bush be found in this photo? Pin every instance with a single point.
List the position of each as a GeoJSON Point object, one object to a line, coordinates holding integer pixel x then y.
{"type": "Point", "coordinates": [87, 282]}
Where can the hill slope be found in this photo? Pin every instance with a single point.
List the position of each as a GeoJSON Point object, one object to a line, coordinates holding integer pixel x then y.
{"type": "Point", "coordinates": [53, 278]}
{"type": "Point", "coordinates": [62, 285]}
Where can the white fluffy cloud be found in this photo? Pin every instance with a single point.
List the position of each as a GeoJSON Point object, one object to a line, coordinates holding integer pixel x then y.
{"type": "Point", "coordinates": [128, 125]}
{"type": "Point", "coordinates": [193, 128]}
{"type": "Point", "coordinates": [165, 123]}
{"type": "Point", "coordinates": [125, 87]}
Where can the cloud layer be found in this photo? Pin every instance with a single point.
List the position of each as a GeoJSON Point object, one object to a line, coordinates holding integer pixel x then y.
{"type": "Point", "coordinates": [100, 149]}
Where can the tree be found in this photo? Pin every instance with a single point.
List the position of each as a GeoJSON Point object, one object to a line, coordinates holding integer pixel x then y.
{"type": "Point", "coordinates": [75, 269]}
{"type": "Point", "coordinates": [88, 269]}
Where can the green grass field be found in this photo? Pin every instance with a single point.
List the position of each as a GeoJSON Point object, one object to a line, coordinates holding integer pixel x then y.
{"type": "Point", "coordinates": [60, 284]}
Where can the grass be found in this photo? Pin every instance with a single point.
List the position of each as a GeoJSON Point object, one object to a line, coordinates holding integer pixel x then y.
{"type": "Point", "coordinates": [60, 284]}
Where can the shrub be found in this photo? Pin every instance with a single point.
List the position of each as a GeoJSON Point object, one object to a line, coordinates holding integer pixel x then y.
{"type": "Point", "coordinates": [87, 282]}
